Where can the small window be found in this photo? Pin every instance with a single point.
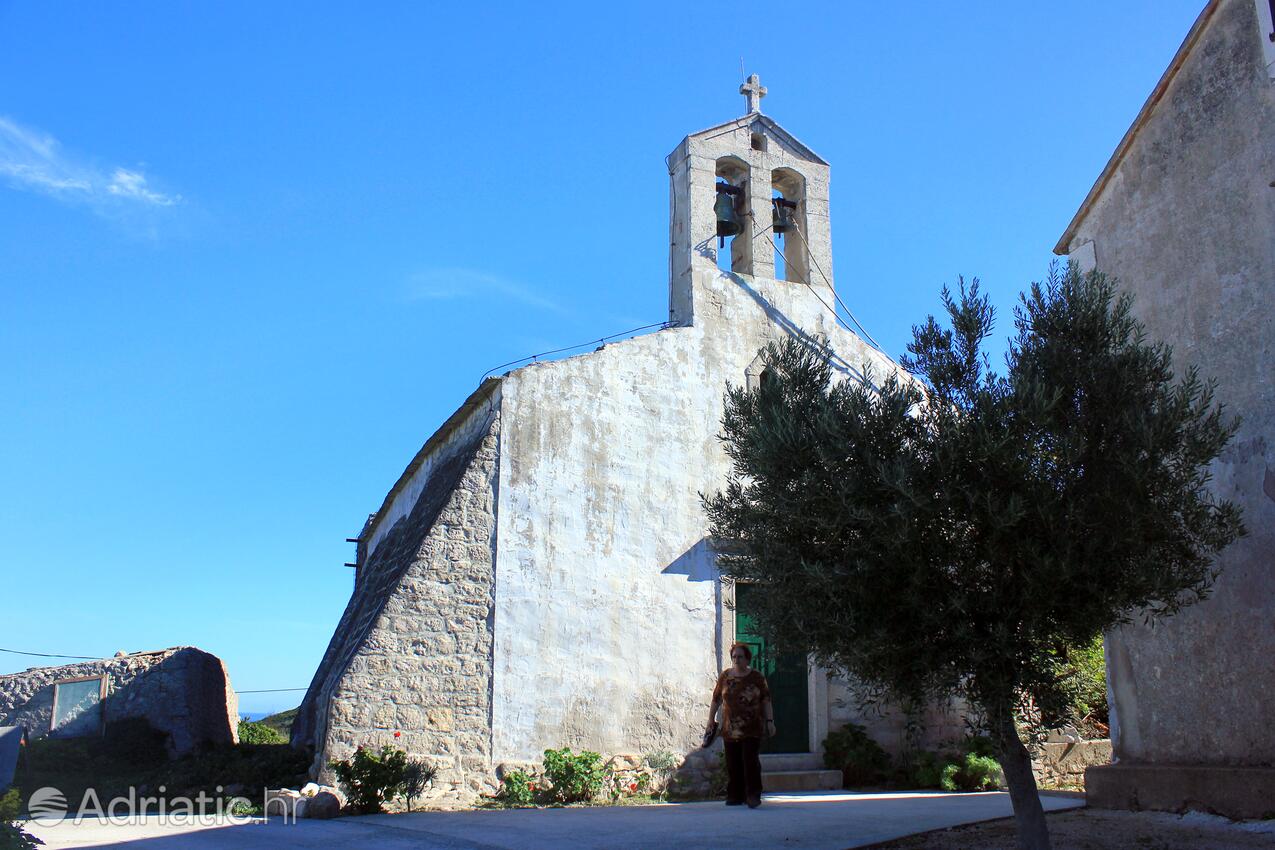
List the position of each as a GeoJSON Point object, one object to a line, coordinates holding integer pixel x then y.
{"type": "Point", "coordinates": [77, 707]}
{"type": "Point", "coordinates": [759, 142]}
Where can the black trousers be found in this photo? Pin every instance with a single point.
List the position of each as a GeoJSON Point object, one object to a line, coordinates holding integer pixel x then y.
{"type": "Point", "coordinates": [743, 769]}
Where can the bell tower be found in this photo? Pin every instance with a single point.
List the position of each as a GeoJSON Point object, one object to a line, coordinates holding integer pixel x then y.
{"type": "Point", "coordinates": [747, 199]}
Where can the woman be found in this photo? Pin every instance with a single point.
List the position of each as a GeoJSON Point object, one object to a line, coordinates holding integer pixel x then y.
{"type": "Point", "coordinates": [747, 717]}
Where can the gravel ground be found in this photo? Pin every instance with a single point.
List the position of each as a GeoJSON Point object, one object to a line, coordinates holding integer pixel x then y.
{"type": "Point", "coordinates": [1101, 829]}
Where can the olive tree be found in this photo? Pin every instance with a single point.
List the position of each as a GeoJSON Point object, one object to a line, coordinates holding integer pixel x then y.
{"type": "Point", "coordinates": [950, 533]}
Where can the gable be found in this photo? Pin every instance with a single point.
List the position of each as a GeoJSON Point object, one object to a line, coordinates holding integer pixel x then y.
{"type": "Point", "coordinates": [1144, 115]}
{"type": "Point", "coordinates": [758, 122]}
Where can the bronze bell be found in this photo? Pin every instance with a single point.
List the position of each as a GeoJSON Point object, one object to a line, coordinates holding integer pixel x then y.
{"type": "Point", "coordinates": [785, 218]}
{"type": "Point", "coordinates": [724, 207]}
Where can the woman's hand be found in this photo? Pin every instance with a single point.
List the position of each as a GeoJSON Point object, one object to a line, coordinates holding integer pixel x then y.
{"type": "Point", "coordinates": [770, 728]}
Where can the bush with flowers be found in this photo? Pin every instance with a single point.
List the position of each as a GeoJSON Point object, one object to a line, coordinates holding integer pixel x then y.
{"type": "Point", "coordinates": [518, 788]}
{"type": "Point", "coordinates": [372, 778]}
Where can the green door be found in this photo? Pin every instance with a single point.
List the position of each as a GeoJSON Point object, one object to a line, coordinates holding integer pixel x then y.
{"type": "Point", "coordinates": [787, 676]}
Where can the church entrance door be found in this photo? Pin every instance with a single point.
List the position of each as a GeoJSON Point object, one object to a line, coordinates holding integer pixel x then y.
{"type": "Point", "coordinates": [787, 675]}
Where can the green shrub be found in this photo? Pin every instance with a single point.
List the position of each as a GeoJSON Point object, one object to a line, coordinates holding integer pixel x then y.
{"type": "Point", "coordinates": [921, 770]}
{"type": "Point", "coordinates": [10, 805]}
{"type": "Point", "coordinates": [14, 837]}
{"type": "Point", "coordinates": [372, 778]}
{"type": "Point", "coordinates": [662, 764]}
{"type": "Point", "coordinates": [1088, 680]}
{"type": "Point", "coordinates": [575, 777]}
{"type": "Point", "coordinates": [979, 745]}
{"type": "Point", "coordinates": [518, 788]}
{"type": "Point", "coordinates": [972, 773]}
{"type": "Point", "coordinates": [259, 733]}
{"type": "Point", "coordinates": [417, 775]}
{"type": "Point", "coordinates": [859, 758]}
{"type": "Point", "coordinates": [720, 777]}
{"type": "Point", "coordinates": [255, 766]}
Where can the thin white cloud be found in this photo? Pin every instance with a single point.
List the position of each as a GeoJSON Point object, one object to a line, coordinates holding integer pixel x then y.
{"type": "Point", "coordinates": [35, 162]}
{"type": "Point", "coordinates": [448, 284]}
{"type": "Point", "coordinates": [132, 184]}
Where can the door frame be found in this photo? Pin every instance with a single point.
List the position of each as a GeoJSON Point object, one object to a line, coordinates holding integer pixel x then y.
{"type": "Point", "coordinates": [817, 677]}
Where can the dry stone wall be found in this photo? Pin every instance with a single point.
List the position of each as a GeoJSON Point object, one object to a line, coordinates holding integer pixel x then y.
{"type": "Point", "coordinates": [410, 664]}
{"type": "Point", "coordinates": [183, 691]}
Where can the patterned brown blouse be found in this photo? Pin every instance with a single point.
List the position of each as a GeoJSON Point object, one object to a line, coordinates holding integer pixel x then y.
{"type": "Point", "coordinates": [742, 698]}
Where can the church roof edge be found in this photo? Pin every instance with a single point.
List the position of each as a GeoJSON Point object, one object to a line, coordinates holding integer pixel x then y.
{"type": "Point", "coordinates": [478, 396]}
{"type": "Point", "coordinates": [771, 123]}
{"type": "Point", "coordinates": [1144, 115]}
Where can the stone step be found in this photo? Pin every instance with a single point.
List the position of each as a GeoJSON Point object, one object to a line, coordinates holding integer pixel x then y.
{"type": "Point", "coordinates": [801, 780]}
{"type": "Point", "coordinates": [790, 761]}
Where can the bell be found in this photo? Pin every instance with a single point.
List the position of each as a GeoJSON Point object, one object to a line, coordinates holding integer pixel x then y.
{"type": "Point", "coordinates": [727, 218]}
{"type": "Point", "coordinates": [784, 218]}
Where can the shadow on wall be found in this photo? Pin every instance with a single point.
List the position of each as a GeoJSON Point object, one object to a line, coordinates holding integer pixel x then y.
{"type": "Point", "coordinates": [183, 692]}
{"type": "Point", "coordinates": [698, 563]}
{"type": "Point", "coordinates": [838, 363]}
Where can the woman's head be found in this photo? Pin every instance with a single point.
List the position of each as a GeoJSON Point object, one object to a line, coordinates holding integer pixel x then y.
{"type": "Point", "coordinates": [741, 653]}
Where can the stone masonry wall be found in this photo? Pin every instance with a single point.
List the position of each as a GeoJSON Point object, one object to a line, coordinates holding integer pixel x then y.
{"type": "Point", "coordinates": [1064, 764]}
{"type": "Point", "coordinates": [1187, 225]}
{"type": "Point", "coordinates": [941, 725]}
{"type": "Point", "coordinates": [182, 691]}
{"type": "Point", "coordinates": [412, 659]}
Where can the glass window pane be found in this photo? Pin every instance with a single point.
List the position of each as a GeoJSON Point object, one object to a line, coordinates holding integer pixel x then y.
{"type": "Point", "coordinates": [77, 708]}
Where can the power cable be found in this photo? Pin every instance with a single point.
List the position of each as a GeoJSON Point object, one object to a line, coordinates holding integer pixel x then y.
{"type": "Point", "coordinates": [835, 294]}
{"type": "Point", "coordinates": [53, 655]}
{"type": "Point", "coordinates": [536, 357]}
{"type": "Point", "coordinates": [101, 658]}
{"type": "Point", "coordinates": [837, 316]}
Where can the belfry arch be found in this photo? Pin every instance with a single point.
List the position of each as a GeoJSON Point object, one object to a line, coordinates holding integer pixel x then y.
{"type": "Point", "coordinates": [734, 181]}
{"type": "Point", "coordinates": [788, 214]}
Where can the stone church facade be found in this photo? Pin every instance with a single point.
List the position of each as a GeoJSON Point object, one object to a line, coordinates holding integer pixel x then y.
{"type": "Point", "coordinates": [1184, 216]}
{"type": "Point", "coordinates": [541, 575]}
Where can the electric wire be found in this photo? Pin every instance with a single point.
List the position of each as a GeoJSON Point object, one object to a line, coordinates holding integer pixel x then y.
{"type": "Point", "coordinates": [805, 280]}
{"type": "Point", "coordinates": [52, 655]}
{"type": "Point", "coordinates": [835, 294]}
{"type": "Point", "coordinates": [536, 357]}
{"type": "Point", "coordinates": [102, 658]}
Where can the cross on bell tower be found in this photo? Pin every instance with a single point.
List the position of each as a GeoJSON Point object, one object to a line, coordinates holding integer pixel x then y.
{"type": "Point", "coordinates": [753, 182]}
{"type": "Point", "coordinates": [753, 91]}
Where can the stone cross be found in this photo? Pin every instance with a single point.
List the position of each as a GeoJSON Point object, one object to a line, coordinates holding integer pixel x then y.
{"type": "Point", "coordinates": [754, 91]}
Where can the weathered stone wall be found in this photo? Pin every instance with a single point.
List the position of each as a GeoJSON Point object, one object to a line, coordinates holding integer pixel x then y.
{"type": "Point", "coordinates": [1064, 764]}
{"type": "Point", "coordinates": [182, 691]}
{"type": "Point", "coordinates": [606, 622]}
{"type": "Point", "coordinates": [607, 595]}
{"type": "Point", "coordinates": [410, 664]}
{"type": "Point", "coordinates": [939, 724]}
{"type": "Point", "coordinates": [1187, 223]}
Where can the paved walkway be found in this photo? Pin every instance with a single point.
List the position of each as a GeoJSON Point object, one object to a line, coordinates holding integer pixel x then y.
{"type": "Point", "coordinates": [811, 820]}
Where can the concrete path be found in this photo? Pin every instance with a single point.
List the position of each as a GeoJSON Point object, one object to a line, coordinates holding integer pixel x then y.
{"type": "Point", "coordinates": [811, 820]}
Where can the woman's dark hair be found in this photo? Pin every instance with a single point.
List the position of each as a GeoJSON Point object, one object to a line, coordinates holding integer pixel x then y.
{"type": "Point", "coordinates": [748, 652]}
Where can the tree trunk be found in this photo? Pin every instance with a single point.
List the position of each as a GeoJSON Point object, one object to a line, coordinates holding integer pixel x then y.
{"type": "Point", "coordinates": [1033, 834]}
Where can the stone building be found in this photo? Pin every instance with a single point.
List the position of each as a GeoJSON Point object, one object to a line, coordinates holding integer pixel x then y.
{"type": "Point", "coordinates": [183, 692]}
{"type": "Point", "coordinates": [541, 574]}
{"type": "Point", "coordinates": [1184, 215]}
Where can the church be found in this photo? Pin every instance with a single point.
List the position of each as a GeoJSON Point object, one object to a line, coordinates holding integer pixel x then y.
{"type": "Point", "coordinates": [542, 575]}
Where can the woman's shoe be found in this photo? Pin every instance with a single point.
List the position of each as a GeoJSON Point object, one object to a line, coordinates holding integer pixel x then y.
{"type": "Point", "coordinates": [734, 802]}
{"type": "Point", "coordinates": [754, 801]}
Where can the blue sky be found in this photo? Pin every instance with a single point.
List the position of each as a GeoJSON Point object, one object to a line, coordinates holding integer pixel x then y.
{"type": "Point", "coordinates": [252, 255]}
